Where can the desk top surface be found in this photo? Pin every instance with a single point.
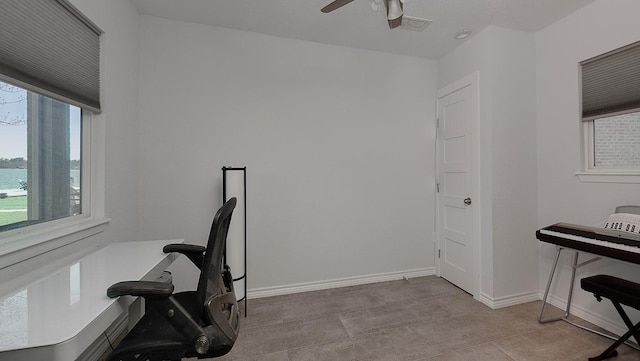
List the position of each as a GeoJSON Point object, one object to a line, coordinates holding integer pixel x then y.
{"type": "Point", "coordinates": [55, 308]}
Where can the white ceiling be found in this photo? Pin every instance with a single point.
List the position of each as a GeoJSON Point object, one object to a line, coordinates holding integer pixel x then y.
{"type": "Point", "coordinates": [357, 25]}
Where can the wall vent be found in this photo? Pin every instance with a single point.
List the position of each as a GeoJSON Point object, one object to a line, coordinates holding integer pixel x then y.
{"type": "Point", "coordinates": [415, 24]}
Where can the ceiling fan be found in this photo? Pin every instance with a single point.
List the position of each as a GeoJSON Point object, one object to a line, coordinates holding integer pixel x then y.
{"type": "Point", "coordinates": [394, 10]}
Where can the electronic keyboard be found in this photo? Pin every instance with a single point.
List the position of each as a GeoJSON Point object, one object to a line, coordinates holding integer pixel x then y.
{"type": "Point", "coordinates": [598, 241]}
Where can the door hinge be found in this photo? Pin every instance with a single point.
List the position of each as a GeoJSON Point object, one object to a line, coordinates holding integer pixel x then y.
{"type": "Point", "coordinates": [438, 253]}
{"type": "Point", "coordinates": [438, 187]}
{"type": "Point", "coordinates": [437, 122]}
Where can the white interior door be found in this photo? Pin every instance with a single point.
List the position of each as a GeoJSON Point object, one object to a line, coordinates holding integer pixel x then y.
{"type": "Point", "coordinates": [455, 201]}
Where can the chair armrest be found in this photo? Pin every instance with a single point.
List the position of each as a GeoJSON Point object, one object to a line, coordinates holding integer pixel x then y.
{"type": "Point", "coordinates": [194, 252]}
{"type": "Point", "coordinates": [183, 248]}
{"type": "Point", "coordinates": [140, 288]}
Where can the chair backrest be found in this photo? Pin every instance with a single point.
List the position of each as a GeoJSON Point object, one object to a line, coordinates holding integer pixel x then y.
{"type": "Point", "coordinates": [211, 283]}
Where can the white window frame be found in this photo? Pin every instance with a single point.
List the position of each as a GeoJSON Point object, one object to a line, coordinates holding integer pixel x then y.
{"type": "Point", "coordinates": [593, 174]}
{"type": "Point", "coordinates": [27, 242]}
{"type": "Point", "coordinates": [602, 102]}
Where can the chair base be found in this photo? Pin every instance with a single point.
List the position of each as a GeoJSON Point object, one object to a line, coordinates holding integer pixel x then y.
{"type": "Point", "coordinates": [155, 338]}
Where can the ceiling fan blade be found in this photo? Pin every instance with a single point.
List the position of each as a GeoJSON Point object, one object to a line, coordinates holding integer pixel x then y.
{"type": "Point", "coordinates": [395, 22]}
{"type": "Point", "coordinates": [335, 5]}
{"type": "Point", "coordinates": [394, 12]}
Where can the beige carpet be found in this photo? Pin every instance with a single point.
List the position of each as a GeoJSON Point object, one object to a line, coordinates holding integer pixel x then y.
{"type": "Point", "coordinates": [420, 319]}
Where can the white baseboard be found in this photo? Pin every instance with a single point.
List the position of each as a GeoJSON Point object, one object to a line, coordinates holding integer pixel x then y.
{"type": "Point", "coordinates": [615, 326]}
{"type": "Point", "coordinates": [511, 300]}
{"type": "Point", "coordinates": [340, 282]}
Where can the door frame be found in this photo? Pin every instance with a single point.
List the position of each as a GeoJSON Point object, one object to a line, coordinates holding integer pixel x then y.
{"type": "Point", "coordinates": [473, 81]}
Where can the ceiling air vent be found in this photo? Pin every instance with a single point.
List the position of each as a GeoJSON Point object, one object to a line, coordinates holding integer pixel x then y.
{"type": "Point", "coordinates": [415, 24]}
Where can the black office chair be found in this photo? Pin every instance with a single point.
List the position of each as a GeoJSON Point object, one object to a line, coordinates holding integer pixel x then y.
{"type": "Point", "coordinates": [202, 323]}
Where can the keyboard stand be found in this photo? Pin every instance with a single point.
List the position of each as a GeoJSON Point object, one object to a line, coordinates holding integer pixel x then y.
{"type": "Point", "coordinates": [574, 266]}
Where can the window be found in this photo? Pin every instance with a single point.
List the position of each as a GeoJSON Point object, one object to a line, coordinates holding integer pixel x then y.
{"type": "Point", "coordinates": [616, 141]}
{"type": "Point", "coordinates": [611, 111]}
{"type": "Point", "coordinates": [49, 91]}
{"type": "Point", "coordinates": [40, 158]}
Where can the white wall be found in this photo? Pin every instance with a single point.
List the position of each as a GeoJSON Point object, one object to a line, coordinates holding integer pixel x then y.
{"type": "Point", "coordinates": [514, 163]}
{"type": "Point", "coordinates": [471, 56]}
{"type": "Point", "coordinates": [119, 119]}
{"type": "Point", "coordinates": [507, 172]}
{"type": "Point", "coordinates": [338, 144]}
{"type": "Point", "coordinates": [600, 27]}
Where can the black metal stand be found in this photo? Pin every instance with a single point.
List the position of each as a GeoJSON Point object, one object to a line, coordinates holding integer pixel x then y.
{"type": "Point", "coordinates": [226, 194]}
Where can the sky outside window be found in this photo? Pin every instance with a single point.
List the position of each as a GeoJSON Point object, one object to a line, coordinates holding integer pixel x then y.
{"type": "Point", "coordinates": [13, 124]}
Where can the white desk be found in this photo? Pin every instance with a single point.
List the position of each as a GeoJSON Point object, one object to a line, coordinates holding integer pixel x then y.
{"type": "Point", "coordinates": [57, 316]}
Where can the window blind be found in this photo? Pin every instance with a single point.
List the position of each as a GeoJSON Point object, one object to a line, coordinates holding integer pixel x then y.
{"type": "Point", "coordinates": [611, 83]}
{"type": "Point", "coordinates": [49, 47]}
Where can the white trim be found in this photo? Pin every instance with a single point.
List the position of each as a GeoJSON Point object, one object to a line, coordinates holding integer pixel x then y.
{"type": "Point", "coordinates": [339, 282]}
{"type": "Point", "coordinates": [32, 244]}
{"type": "Point", "coordinates": [608, 177]}
{"type": "Point", "coordinates": [473, 81]}
{"type": "Point", "coordinates": [511, 300]}
{"type": "Point", "coordinates": [459, 84]}
{"type": "Point", "coordinates": [591, 174]}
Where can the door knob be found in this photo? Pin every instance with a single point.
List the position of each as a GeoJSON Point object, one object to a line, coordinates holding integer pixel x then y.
{"type": "Point", "coordinates": [467, 201]}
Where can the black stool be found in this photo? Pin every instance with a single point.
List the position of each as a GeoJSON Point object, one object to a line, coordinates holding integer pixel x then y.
{"type": "Point", "coordinates": [619, 292]}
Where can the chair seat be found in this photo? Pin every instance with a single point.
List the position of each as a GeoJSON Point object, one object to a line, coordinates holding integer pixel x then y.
{"type": "Point", "coordinates": [154, 335]}
{"type": "Point", "coordinates": [616, 289]}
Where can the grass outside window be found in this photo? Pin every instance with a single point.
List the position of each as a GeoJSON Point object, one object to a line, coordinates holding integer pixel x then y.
{"type": "Point", "coordinates": [13, 210]}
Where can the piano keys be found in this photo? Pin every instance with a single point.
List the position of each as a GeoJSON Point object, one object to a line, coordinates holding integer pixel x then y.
{"type": "Point", "coordinates": [591, 240]}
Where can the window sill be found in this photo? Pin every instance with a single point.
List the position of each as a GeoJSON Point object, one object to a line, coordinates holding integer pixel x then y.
{"type": "Point", "coordinates": [19, 247]}
{"type": "Point", "coordinates": [608, 177]}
